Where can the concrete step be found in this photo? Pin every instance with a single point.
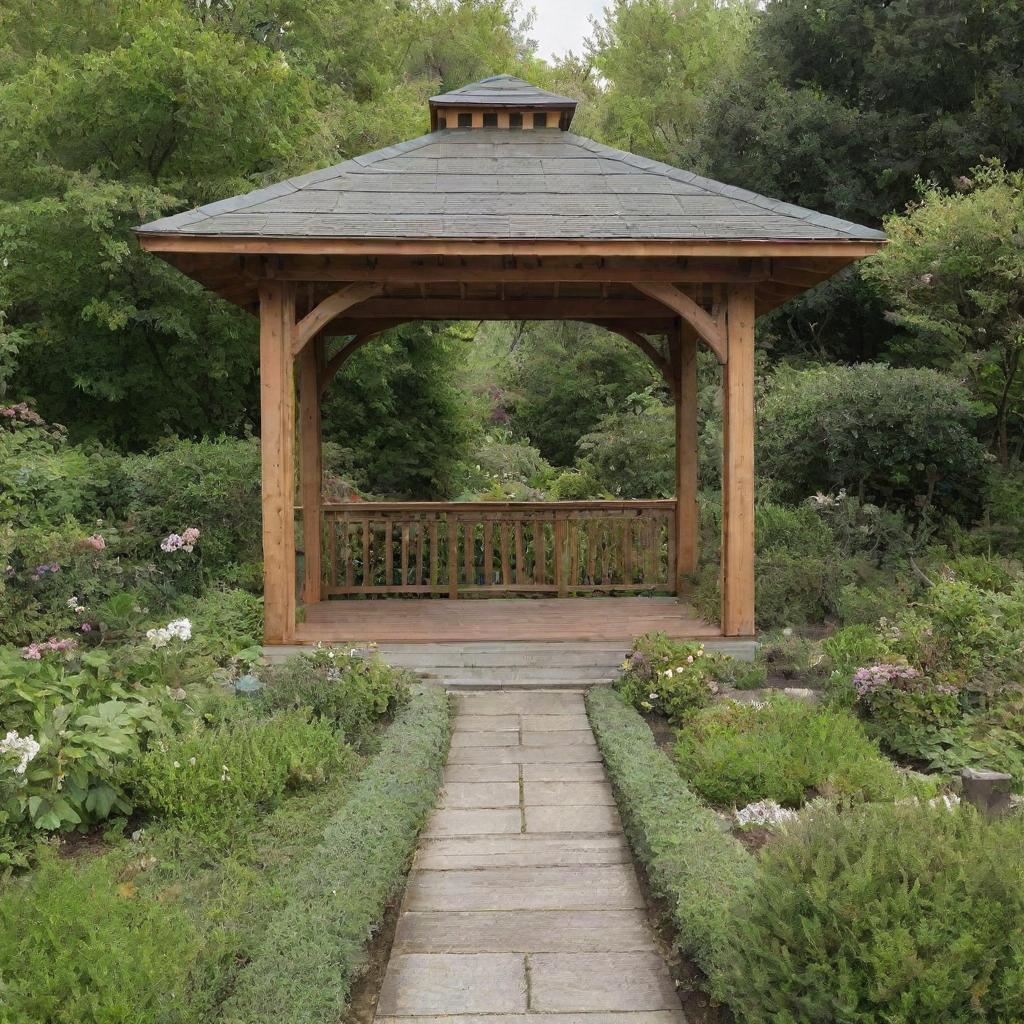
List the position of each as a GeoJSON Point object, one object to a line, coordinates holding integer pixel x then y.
{"type": "Point", "coordinates": [512, 673]}
{"type": "Point", "coordinates": [570, 660]}
{"type": "Point", "coordinates": [463, 685]}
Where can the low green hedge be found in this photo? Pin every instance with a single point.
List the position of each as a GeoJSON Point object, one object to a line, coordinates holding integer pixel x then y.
{"type": "Point", "coordinates": [692, 863]}
{"type": "Point", "coordinates": [303, 970]}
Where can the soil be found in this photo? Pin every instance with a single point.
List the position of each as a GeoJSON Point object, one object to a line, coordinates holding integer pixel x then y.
{"type": "Point", "coordinates": [755, 839]}
{"type": "Point", "coordinates": [76, 845]}
{"type": "Point", "coordinates": [366, 991]}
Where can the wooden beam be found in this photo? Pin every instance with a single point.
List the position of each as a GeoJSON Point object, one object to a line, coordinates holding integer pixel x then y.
{"type": "Point", "coordinates": [455, 308]}
{"type": "Point", "coordinates": [277, 440]}
{"type": "Point", "coordinates": [311, 467]}
{"type": "Point", "coordinates": [167, 242]}
{"type": "Point", "coordinates": [334, 305]}
{"type": "Point", "coordinates": [341, 357]}
{"type": "Point", "coordinates": [647, 347]}
{"type": "Point", "coordinates": [707, 326]}
{"type": "Point", "coordinates": [684, 340]}
{"type": "Point", "coordinates": [738, 466]}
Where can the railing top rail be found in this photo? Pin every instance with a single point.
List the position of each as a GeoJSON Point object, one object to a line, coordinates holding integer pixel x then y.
{"type": "Point", "coordinates": [371, 507]}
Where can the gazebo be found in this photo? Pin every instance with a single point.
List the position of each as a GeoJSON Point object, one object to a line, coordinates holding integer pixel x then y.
{"type": "Point", "coordinates": [501, 213]}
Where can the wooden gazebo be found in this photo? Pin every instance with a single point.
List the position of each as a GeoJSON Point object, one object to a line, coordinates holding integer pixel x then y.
{"type": "Point", "coordinates": [501, 213]}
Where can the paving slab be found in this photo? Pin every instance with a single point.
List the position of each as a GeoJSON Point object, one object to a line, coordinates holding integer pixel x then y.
{"type": "Point", "coordinates": [605, 982]}
{"type": "Point", "coordinates": [639, 1017]}
{"type": "Point", "coordinates": [481, 794]}
{"type": "Point", "coordinates": [599, 818]}
{"type": "Point", "coordinates": [474, 822]}
{"type": "Point", "coordinates": [529, 702]}
{"type": "Point", "coordinates": [567, 794]}
{"type": "Point", "coordinates": [492, 723]}
{"type": "Point", "coordinates": [424, 983]}
{"type": "Point", "coordinates": [553, 723]}
{"type": "Point", "coordinates": [486, 739]}
{"type": "Point", "coordinates": [553, 738]}
{"type": "Point", "coordinates": [481, 773]}
{"type": "Point", "coordinates": [525, 755]}
{"type": "Point", "coordinates": [564, 773]}
{"type": "Point", "coordinates": [523, 931]}
{"type": "Point", "coordinates": [524, 850]}
{"type": "Point", "coordinates": [596, 887]}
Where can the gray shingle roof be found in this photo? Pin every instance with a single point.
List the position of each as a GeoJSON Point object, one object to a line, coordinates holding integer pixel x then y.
{"type": "Point", "coordinates": [503, 183]}
{"type": "Point", "coordinates": [501, 91]}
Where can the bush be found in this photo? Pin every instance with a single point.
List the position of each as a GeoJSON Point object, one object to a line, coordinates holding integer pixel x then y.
{"type": "Point", "coordinates": [226, 621]}
{"type": "Point", "coordinates": [674, 677]}
{"type": "Point", "coordinates": [899, 438]}
{"type": "Point", "coordinates": [212, 485]}
{"type": "Point", "coordinates": [77, 946]}
{"type": "Point", "coordinates": [211, 781]}
{"type": "Point", "coordinates": [699, 870]}
{"type": "Point", "coordinates": [314, 949]}
{"type": "Point", "coordinates": [783, 750]}
{"type": "Point", "coordinates": [881, 913]}
{"type": "Point", "coordinates": [851, 647]}
{"type": "Point", "coordinates": [349, 691]}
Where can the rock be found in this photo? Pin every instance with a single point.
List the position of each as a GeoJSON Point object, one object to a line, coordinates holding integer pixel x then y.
{"type": "Point", "coordinates": [988, 791]}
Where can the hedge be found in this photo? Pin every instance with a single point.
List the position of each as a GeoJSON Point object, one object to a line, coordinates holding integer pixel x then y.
{"type": "Point", "coordinates": [692, 863]}
{"type": "Point", "coordinates": [313, 951]}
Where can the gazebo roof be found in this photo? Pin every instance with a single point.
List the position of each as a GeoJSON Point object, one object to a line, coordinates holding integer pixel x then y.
{"type": "Point", "coordinates": [495, 183]}
{"type": "Point", "coordinates": [501, 91]}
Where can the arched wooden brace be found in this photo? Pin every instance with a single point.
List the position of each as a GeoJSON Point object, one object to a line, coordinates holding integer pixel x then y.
{"type": "Point", "coordinates": [646, 346]}
{"type": "Point", "coordinates": [334, 305]}
{"type": "Point", "coordinates": [709, 328]}
{"type": "Point", "coordinates": [342, 356]}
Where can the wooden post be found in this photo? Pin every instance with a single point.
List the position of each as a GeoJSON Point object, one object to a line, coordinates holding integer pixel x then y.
{"type": "Point", "coordinates": [277, 442]}
{"type": "Point", "coordinates": [311, 467]}
{"type": "Point", "coordinates": [684, 340]}
{"type": "Point", "coordinates": [738, 466]}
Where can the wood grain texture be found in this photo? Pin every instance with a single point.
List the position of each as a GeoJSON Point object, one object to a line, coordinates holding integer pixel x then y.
{"type": "Point", "coordinates": [310, 467]}
{"type": "Point", "coordinates": [687, 513]}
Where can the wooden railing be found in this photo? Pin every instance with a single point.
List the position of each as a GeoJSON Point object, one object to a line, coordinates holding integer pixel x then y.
{"type": "Point", "coordinates": [489, 548]}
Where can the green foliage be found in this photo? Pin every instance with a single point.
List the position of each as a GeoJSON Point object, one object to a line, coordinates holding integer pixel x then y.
{"type": "Point", "coordinates": [78, 946]}
{"type": "Point", "coordinates": [213, 780]}
{"type": "Point", "coordinates": [1002, 527]}
{"type": "Point", "coordinates": [350, 692]}
{"type": "Point", "coordinates": [212, 485]}
{"type": "Point", "coordinates": [851, 647]}
{"type": "Point", "coordinates": [673, 677]}
{"type": "Point", "coordinates": [502, 463]}
{"type": "Point", "coordinates": [312, 951]}
{"type": "Point", "coordinates": [225, 622]}
{"type": "Point", "coordinates": [954, 273]}
{"type": "Point", "coordinates": [898, 438]}
{"type": "Point", "coordinates": [895, 913]}
{"type": "Point", "coordinates": [783, 750]}
{"type": "Point", "coordinates": [631, 454]}
{"type": "Point", "coordinates": [696, 868]}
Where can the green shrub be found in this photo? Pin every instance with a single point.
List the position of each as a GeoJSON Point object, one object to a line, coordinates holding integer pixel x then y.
{"type": "Point", "coordinates": [226, 621]}
{"type": "Point", "coordinates": [211, 485]}
{"type": "Point", "coordinates": [867, 603]}
{"type": "Point", "coordinates": [899, 438]}
{"type": "Point", "coordinates": [349, 691]}
{"type": "Point", "coordinates": [313, 950]}
{"type": "Point", "coordinates": [849, 648]}
{"type": "Point", "coordinates": [692, 864]}
{"type": "Point", "coordinates": [78, 946]}
{"type": "Point", "coordinates": [1002, 526]}
{"type": "Point", "coordinates": [210, 781]}
{"type": "Point", "coordinates": [783, 750]}
{"type": "Point", "coordinates": [881, 913]}
{"type": "Point", "coordinates": [674, 677]}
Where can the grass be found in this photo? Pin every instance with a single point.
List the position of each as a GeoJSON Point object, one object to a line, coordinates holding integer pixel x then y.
{"type": "Point", "coordinates": [314, 948]}
{"type": "Point", "coordinates": [692, 863]}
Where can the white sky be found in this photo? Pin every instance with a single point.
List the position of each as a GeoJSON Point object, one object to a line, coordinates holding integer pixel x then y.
{"type": "Point", "coordinates": [562, 25]}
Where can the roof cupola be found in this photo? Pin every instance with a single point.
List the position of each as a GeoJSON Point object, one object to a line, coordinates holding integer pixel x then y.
{"type": "Point", "coordinates": [502, 101]}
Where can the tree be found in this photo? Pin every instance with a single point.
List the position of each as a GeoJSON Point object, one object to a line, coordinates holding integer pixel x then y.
{"type": "Point", "coordinates": [954, 274]}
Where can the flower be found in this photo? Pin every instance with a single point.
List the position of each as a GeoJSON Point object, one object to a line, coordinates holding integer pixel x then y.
{"type": "Point", "coordinates": [24, 746]}
{"type": "Point", "coordinates": [179, 629]}
{"type": "Point", "coordinates": [35, 651]}
{"type": "Point", "coordinates": [184, 541]}
{"type": "Point", "coordinates": [96, 541]}
{"type": "Point", "coordinates": [86, 627]}
{"type": "Point", "coordinates": [689, 660]}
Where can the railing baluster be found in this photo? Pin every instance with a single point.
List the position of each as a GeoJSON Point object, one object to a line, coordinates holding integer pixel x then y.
{"type": "Point", "coordinates": [469, 551]}
{"type": "Point", "coordinates": [488, 559]}
{"type": "Point", "coordinates": [433, 552]}
{"type": "Point", "coordinates": [453, 556]}
{"type": "Point", "coordinates": [520, 553]}
{"type": "Point", "coordinates": [539, 553]}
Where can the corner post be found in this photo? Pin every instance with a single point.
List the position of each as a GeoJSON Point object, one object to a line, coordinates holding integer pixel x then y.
{"type": "Point", "coordinates": [738, 466]}
{"type": "Point", "coordinates": [277, 444]}
{"type": "Point", "coordinates": [683, 340]}
{"type": "Point", "coordinates": [311, 467]}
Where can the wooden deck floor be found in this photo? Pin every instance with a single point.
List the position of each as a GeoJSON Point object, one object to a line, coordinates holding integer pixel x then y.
{"type": "Point", "coordinates": [443, 621]}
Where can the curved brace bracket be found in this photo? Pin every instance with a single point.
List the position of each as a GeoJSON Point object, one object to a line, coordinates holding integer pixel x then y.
{"type": "Point", "coordinates": [646, 346]}
{"type": "Point", "coordinates": [709, 328]}
{"type": "Point", "coordinates": [335, 304]}
{"type": "Point", "coordinates": [342, 356]}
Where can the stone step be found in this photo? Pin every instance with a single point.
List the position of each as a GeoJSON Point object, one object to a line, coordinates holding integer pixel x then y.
{"type": "Point", "coordinates": [611, 660]}
{"type": "Point", "coordinates": [484, 685]}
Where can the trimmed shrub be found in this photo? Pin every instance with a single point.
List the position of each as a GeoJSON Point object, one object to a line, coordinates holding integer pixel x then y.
{"type": "Point", "coordinates": [349, 691]}
{"type": "Point", "coordinates": [314, 949]}
{"type": "Point", "coordinates": [76, 945]}
{"type": "Point", "coordinates": [784, 750]}
{"type": "Point", "coordinates": [698, 869]}
{"type": "Point", "coordinates": [210, 780]}
{"type": "Point", "coordinates": [902, 438]}
{"type": "Point", "coordinates": [881, 913]}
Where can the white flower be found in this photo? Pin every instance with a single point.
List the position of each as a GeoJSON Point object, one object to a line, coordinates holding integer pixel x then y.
{"type": "Point", "coordinates": [72, 601]}
{"type": "Point", "coordinates": [652, 696]}
{"type": "Point", "coordinates": [689, 659]}
{"type": "Point", "coordinates": [788, 631]}
{"type": "Point", "coordinates": [667, 673]}
{"type": "Point", "coordinates": [179, 629]}
{"type": "Point", "coordinates": [24, 746]}
{"type": "Point", "coordinates": [764, 812]}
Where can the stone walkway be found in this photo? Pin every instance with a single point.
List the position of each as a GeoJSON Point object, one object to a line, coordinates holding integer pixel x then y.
{"type": "Point", "coordinates": [523, 901]}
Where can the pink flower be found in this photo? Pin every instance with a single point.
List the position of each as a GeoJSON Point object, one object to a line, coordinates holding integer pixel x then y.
{"type": "Point", "coordinates": [96, 541]}
{"type": "Point", "coordinates": [32, 652]}
{"type": "Point", "coordinates": [86, 627]}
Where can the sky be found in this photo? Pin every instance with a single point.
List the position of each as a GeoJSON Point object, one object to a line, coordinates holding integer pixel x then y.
{"type": "Point", "coordinates": [562, 25]}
